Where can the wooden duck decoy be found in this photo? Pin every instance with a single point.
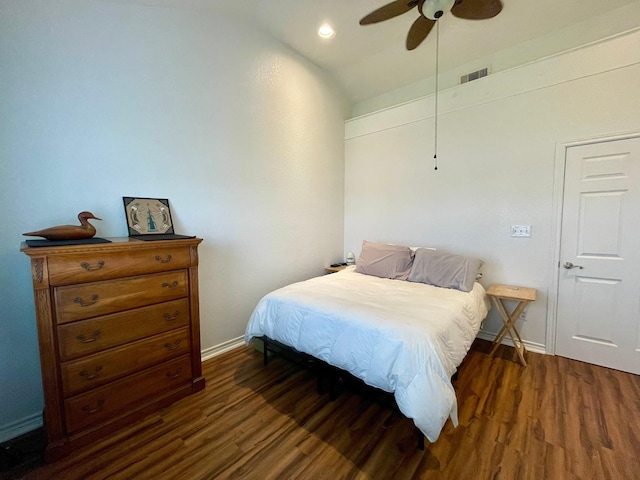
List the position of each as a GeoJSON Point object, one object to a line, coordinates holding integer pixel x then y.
{"type": "Point", "coordinates": [69, 232]}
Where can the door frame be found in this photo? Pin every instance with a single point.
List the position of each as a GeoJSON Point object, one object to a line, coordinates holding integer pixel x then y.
{"type": "Point", "coordinates": [556, 225]}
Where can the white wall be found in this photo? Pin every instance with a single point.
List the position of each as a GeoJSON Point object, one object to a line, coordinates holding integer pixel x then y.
{"type": "Point", "coordinates": [496, 153]}
{"type": "Point", "coordinates": [102, 100]}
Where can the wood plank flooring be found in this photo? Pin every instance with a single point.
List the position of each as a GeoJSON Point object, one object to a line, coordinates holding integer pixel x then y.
{"type": "Point", "coordinates": [554, 419]}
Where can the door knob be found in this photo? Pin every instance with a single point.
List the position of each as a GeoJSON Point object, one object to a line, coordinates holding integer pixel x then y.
{"type": "Point", "coordinates": [569, 266]}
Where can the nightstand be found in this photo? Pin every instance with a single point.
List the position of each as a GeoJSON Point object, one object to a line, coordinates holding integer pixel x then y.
{"type": "Point", "coordinates": [335, 269]}
{"type": "Point", "coordinates": [523, 296]}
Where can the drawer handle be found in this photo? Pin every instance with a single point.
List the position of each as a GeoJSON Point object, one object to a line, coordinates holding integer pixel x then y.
{"type": "Point", "coordinates": [177, 373]}
{"type": "Point", "coordinates": [91, 411]}
{"type": "Point", "coordinates": [174, 284]}
{"type": "Point", "coordinates": [90, 376]}
{"type": "Point", "coordinates": [171, 318]}
{"type": "Point", "coordinates": [172, 346]}
{"type": "Point", "coordinates": [82, 303]}
{"type": "Point", "coordinates": [166, 259]}
{"type": "Point", "coordinates": [90, 268]}
{"type": "Point", "coordinates": [84, 339]}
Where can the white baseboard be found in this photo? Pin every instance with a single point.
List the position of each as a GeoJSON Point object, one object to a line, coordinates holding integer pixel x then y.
{"type": "Point", "coordinates": [221, 348]}
{"type": "Point", "coordinates": [483, 334]}
{"type": "Point", "coordinates": [530, 346]}
{"type": "Point", "coordinates": [20, 427]}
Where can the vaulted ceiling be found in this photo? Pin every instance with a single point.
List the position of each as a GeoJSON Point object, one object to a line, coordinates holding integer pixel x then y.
{"type": "Point", "coordinates": [371, 60]}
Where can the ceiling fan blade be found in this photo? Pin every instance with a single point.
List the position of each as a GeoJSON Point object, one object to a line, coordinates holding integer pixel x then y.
{"type": "Point", "coordinates": [419, 31]}
{"type": "Point", "coordinates": [476, 9]}
{"type": "Point", "coordinates": [388, 11]}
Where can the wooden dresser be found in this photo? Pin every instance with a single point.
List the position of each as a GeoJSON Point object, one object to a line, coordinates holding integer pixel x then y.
{"type": "Point", "coordinates": [119, 333]}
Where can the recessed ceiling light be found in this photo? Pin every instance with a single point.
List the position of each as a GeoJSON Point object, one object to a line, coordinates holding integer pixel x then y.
{"type": "Point", "coordinates": [326, 31]}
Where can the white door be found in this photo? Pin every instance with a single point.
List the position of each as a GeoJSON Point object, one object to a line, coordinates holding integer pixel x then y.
{"type": "Point", "coordinates": [598, 317]}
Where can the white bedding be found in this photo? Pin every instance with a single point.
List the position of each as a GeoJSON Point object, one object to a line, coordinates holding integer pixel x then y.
{"type": "Point", "coordinates": [402, 337]}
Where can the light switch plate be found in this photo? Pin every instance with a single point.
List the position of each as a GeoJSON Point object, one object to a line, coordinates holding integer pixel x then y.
{"type": "Point", "coordinates": [520, 230]}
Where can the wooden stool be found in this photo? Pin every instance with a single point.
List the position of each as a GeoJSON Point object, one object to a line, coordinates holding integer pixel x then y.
{"type": "Point", "coordinates": [522, 295]}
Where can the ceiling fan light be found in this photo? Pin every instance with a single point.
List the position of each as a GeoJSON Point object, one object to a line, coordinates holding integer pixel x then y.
{"type": "Point", "coordinates": [434, 9]}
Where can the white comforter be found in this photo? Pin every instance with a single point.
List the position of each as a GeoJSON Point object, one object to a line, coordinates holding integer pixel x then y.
{"type": "Point", "coordinates": [402, 337]}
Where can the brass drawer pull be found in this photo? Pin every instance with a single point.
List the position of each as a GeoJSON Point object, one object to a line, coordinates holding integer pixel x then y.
{"type": "Point", "coordinates": [171, 318]}
{"type": "Point", "coordinates": [84, 339]}
{"type": "Point", "coordinates": [90, 376]}
{"type": "Point", "coordinates": [91, 411]}
{"type": "Point", "coordinates": [166, 259]}
{"type": "Point", "coordinates": [90, 268]}
{"type": "Point", "coordinates": [82, 303]}
{"type": "Point", "coordinates": [177, 373]}
{"type": "Point", "coordinates": [172, 346]}
{"type": "Point", "coordinates": [174, 284]}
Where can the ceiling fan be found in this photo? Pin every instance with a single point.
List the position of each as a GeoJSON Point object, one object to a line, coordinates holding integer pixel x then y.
{"type": "Point", "coordinates": [430, 12]}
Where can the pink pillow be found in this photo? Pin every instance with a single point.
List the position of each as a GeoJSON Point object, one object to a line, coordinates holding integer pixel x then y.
{"type": "Point", "coordinates": [384, 260]}
{"type": "Point", "coordinates": [445, 269]}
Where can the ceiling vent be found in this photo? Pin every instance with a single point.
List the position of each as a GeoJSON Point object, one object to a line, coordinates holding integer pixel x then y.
{"type": "Point", "coordinates": [469, 77]}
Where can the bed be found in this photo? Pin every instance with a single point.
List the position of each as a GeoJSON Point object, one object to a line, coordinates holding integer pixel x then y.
{"type": "Point", "coordinates": [403, 337]}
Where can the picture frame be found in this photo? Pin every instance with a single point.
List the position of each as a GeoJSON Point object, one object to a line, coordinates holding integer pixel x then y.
{"type": "Point", "coordinates": [147, 216]}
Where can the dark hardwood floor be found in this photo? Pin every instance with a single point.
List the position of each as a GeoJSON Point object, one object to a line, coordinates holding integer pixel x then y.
{"type": "Point", "coordinates": [554, 419]}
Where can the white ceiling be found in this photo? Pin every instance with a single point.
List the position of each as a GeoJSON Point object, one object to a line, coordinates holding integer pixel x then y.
{"type": "Point", "coordinates": [371, 60]}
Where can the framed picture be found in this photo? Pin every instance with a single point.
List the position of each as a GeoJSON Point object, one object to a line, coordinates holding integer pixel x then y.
{"type": "Point", "coordinates": [147, 216]}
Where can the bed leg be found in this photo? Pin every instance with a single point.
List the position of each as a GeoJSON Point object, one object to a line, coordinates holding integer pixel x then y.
{"type": "Point", "coordinates": [332, 385]}
{"type": "Point", "coordinates": [323, 372]}
{"type": "Point", "coordinates": [265, 348]}
{"type": "Point", "coordinates": [420, 440]}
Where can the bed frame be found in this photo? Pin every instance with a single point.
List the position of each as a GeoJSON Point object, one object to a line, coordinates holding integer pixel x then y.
{"type": "Point", "coordinates": [328, 374]}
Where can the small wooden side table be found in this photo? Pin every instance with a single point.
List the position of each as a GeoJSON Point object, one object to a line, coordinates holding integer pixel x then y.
{"type": "Point", "coordinates": [522, 295]}
{"type": "Point", "coordinates": [335, 269]}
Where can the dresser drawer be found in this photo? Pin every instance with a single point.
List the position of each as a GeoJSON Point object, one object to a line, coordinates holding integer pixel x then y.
{"type": "Point", "coordinates": [89, 372]}
{"type": "Point", "coordinates": [93, 266]}
{"type": "Point", "coordinates": [76, 302]}
{"type": "Point", "coordinates": [84, 337]}
{"type": "Point", "coordinates": [104, 402]}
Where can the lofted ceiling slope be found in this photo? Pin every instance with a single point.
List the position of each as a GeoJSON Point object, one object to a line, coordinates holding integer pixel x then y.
{"type": "Point", "coordinates": [368, 61]}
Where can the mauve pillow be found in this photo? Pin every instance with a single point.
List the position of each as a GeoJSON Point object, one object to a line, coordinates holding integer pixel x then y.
{"type": "Point", "coordinates": [444, 269]}
{"type": "Point", "coordinates": [384, 260]}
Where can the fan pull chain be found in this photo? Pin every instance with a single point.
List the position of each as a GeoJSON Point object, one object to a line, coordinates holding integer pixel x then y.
{"type": "Point", "coordinates": [435, 142]}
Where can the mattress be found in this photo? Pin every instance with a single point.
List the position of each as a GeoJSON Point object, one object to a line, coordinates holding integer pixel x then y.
{"type": "Point", "coordinates": [401, 337]}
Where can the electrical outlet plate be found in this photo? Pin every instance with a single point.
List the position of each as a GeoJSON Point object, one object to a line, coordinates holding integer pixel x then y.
{"type": "Point", "coordinates": [520, 230]}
